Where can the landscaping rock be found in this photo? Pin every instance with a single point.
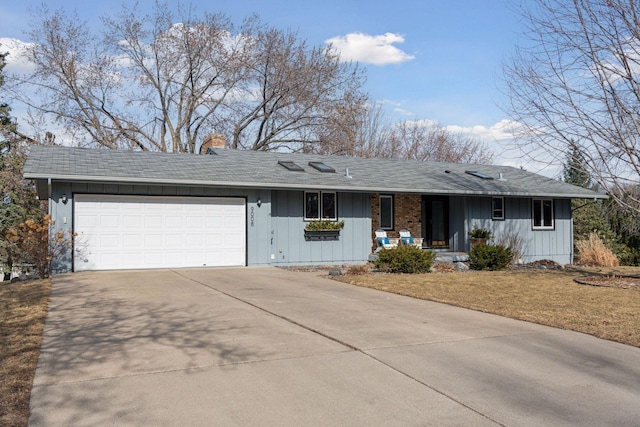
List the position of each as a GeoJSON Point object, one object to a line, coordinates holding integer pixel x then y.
{"type": "Point", "coordinates": [335, 272]}
{"type": "Point", "coordinates": [460, 266]}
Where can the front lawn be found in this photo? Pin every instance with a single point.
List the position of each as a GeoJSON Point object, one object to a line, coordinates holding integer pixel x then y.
{"type": "Point", "coordinates": [545, 296]}
{"type": "Point", "coordinates": [23, 308]}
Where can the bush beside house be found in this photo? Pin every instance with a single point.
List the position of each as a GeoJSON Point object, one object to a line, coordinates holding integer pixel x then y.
{"type": "Point", "coordinates": [405, 259]}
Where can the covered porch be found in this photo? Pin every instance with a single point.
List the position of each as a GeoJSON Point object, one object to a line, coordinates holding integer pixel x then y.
{"type": "Point", "coordinates": [438, 219]}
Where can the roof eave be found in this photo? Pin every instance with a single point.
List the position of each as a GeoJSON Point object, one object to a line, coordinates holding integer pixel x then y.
{"type": "Point", "coordinates": [285, 186]}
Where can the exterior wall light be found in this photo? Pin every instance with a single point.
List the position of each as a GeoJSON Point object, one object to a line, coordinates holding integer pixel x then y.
{"type": "Point", "coordinates": [64, 199]}
{"type": "Point", "coordinates": [259, 202]}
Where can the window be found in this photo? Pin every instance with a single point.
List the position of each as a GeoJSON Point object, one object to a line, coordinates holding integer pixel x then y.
{"type": "Point", "coordinates": [542, 214]}
{"type": "Point", "coordinates": [386, 212]}
{"type": "Point", "coordinates": [497, 208]}
{"type": "Point", "coordinates": [479, 174]}
{"type": "Point", "coordinates": [292, 166]}
{"type": "Point", "coordinates": [320, 205]}
{"type": "Point", "coordinates": [322, 167]}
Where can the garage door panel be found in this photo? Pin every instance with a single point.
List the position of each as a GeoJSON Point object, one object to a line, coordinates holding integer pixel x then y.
{"type": "Point", "coordinates": [128, 232]}
{"type": "Point", "coordinates": [110, 241]}
{"type": "Point", "coordinates": [152, 221]}
{"type": "Point", "coordinates": [132, 221]}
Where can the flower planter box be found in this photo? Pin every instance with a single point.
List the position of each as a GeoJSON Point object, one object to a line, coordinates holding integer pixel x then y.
{"type": "Point", "coordinates": [321, 235]}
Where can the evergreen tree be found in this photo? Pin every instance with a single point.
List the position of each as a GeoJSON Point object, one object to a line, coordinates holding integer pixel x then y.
{"type": "Point", "coordinates": [18, 200]}
{"type": "Point", "coordinates": [575, 168]}
{"type": "Point", "coordinates": [602, 217]}
{"type": "Point", "coordinates": [6, 122]}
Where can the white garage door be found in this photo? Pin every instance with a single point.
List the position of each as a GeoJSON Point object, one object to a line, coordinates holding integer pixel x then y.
{"type": "Point", "coordinates": [129, 232]}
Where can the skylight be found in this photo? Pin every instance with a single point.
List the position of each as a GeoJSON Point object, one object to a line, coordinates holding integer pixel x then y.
{"type": "Point", "coordinates": [321, 167]}
{"type": "Point", "coordinates": [479, 174]}
{"type": "Point", "coordinates": [292, 166]}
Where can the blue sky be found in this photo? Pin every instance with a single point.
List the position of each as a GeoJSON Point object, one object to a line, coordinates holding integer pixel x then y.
{"type": "Point", "coordinates": [436, 60]}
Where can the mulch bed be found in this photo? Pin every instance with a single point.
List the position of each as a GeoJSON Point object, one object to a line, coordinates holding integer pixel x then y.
{"type": "Point", "coordinates": [611, 281]}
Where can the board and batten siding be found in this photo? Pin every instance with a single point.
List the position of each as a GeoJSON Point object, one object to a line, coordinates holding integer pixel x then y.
{"type": "Point", "coordinates": [290, 247]}
{"type": "Point", "coordinates": [556, 244]}
{"type": "Point", "coordinates": [258, 220]}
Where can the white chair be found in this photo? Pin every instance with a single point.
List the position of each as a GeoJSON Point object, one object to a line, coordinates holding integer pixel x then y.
{"type": "Point", "coordinates": [384, 241]}
{"type": "Point", "coordinates": [407, 239]}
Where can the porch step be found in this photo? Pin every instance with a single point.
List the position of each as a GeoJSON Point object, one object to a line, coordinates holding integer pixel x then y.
{"type": "Point", "coordinates": [452, 257]}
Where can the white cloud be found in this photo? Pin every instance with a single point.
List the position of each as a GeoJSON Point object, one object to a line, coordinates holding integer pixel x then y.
{"type": "Point", "coordinates": [16, 60]}
{"type": "Point", "coordinates": [501, 131]}
{"type": "Point", "coordinates": [365, 48]}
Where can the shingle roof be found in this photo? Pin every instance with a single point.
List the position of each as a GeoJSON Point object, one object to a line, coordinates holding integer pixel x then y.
{"type": "Point", "coordinates": [232, 168]}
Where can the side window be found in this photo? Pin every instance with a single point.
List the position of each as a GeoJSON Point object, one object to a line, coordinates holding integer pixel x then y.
{"type": "Point", "coordinates": [320, 205]}
{"type": "Point", "coordinates": [542, 214]}
{"type": "Point", "coordinates": [386, 212]}
{"type": "Point", "coordinates": [497, 206]}
{"type": "Point", "coordinates": [311, 205]}
{"type": "Point", "coordinates": [329, 210]}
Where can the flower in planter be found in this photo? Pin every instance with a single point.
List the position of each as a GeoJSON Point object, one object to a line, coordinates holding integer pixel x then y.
{"type": "Point", "coordinates": [324, 225]}
{"type": "Point", "coordinates": [480, 233]}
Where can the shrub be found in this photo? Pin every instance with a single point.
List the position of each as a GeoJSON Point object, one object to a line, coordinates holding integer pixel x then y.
{"type": "Point", "coordinates": [594, 252]}
{"type": "Point", "coordinates": [405, 259]}
{"type": "Point", "coordinates": [36, 247]}
{"type": "Point", "coordinates": [514, 242]}
{"type": "Point", "coordinates": [490, 257]}
{"type": "Point", "coordinates": [480, 233]}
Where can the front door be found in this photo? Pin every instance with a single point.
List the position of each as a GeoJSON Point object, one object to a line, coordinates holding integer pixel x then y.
{"type": "Point", "coordinates": [435, 221]}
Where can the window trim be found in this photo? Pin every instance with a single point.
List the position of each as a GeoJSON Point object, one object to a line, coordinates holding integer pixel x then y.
{"type": "Point", "coordinates": [542, 218]}
{"type": "Point", "coordinates": [493, 209]}
{"type": "Point", "coordinates": [390, 197]}
{"type": "Point", "coordinates": [320, 207]}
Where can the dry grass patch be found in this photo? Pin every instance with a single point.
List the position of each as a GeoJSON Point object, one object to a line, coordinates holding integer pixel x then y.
{"type": "Point", "coordinates": [593, 252]}
{"type": "Point", "coordinates": [548, 297]}
{"type": "Point", "coordinates": [23, 308]}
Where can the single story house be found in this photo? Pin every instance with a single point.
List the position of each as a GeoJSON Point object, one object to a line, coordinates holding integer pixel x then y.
{"type": "Point", "coordinates": [132, 210]}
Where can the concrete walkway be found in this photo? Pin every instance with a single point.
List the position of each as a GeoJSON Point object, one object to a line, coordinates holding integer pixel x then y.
{"type": "Point", "coordinates": [263, 346]}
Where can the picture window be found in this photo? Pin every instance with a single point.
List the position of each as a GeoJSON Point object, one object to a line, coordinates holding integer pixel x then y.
{"type": "Point", "coordinates": [320, 205]}
{"type": "Point", "coordinates": [543, 216]}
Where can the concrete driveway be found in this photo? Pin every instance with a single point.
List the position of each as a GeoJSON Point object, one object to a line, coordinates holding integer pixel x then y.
{"type": "Point", "coordinates": [264, 346]}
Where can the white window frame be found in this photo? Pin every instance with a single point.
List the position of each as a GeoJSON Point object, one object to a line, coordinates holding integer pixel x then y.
{"type": "Point", "coordinates": [390, 197]}
{"type": "Point", "coordinates": [320, 207]}
{"type": "Point", "coordinates": [542, 226]}
{"type": "Point", "coordinates": [493, 209]}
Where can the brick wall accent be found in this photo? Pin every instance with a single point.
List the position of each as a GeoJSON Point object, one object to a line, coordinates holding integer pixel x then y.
{"type": "Point", "coordinates": [407, 214]}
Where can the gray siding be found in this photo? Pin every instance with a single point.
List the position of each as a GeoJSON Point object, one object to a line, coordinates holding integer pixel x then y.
{"type": "Point", "coordinates": [258, 218]}
{"type": "Point", "coordinates": [457, 231]}
{"type": "Point", "coordinates": [275, 230]}
{"type": "Point", "coordinates": [556, 244]}
{"type": "Point", "coordinates": [290, 247]}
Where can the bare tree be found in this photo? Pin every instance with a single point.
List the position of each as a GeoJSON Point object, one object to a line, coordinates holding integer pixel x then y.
{"type": "Point", "coordinates": [356, 129]}
{"type": "Point", "coordinates": [363, 130]}
{"type": "Point", "coordinates": [145, 83]}
{"type": "Point", "coordinates": [292, 92]}
{"type": "Point", "coordinates": [427, 141]}
{"type": "Point", "coordinates": [576, 81]}
{"type": "Point", "coordinates": [164, 81]}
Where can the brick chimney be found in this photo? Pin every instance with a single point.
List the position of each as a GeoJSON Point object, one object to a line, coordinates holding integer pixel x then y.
{"type": "Point", "coordinates": [215, 140]}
